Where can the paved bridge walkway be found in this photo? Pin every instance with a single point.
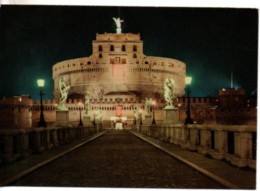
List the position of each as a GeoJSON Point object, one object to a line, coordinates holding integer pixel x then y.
{"type": "Point", "coordinates": [117, 159]}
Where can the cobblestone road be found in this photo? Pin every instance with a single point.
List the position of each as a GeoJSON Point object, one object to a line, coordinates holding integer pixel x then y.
{"type": "Point", "coordinates": [118, 159]}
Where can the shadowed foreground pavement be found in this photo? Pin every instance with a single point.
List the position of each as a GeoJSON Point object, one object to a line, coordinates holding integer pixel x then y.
{"type": "Point", "coordinates": [118, 159]}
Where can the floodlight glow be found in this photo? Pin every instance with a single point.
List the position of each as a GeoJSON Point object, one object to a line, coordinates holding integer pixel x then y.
{"type": "Point", "coordinates": [40, 82]}
{"type": "Point", "coordinates": [188, 80]}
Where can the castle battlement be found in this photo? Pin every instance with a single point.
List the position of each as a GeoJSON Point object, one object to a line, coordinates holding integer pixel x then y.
{"type": "Point", "coordinates": [17, 100]}
{"type": "Point", "coordinates": [117, 37]}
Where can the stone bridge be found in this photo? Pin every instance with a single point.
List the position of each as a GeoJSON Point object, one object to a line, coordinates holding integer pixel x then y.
{"type": "Point", "coordinates": [146, 156]}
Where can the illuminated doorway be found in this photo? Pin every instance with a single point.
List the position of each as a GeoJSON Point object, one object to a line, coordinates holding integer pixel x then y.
{"type": "Point", "coordinates": [119, 126]}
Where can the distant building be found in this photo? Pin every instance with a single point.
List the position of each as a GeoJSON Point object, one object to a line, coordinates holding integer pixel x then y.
{"type": "Point", "coordinates": [16, 112]}
{"type": "Point", "coordinates": [231, 107]}
{"type": "Point", "coordinates": [234, 109]}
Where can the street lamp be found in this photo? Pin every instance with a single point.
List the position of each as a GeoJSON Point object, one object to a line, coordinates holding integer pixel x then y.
{"type": "Point", "coordinates": [80, 121]}
{"type": "Point", "coordinates": [179, 106]}
{"type": "Point", "coordinates": [153, 103]}
{"type": "Point", "coordinates": [41, 123]}
{"type": "Point", "coordinates": [188, 82]}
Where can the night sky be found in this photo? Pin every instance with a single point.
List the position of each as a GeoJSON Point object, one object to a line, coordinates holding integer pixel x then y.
{"type": "Point", "coordinates": [212, 42]}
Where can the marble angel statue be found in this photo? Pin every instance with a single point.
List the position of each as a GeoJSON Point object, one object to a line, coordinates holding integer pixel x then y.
{"type": "Point", "coordinates": [87, 107]}
{"type": "Point", "coordinates": [118, 24]}
{"type": "Point", "coordinates": [64, 89]}
{"type": "Point", "coordinates": [148, 103]}
{"type": "Point", "coordinates": [169, 92]}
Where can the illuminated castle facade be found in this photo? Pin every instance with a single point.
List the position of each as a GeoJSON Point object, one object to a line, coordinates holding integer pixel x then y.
{"type": "Point", "coordinates": [119, 74]}
{"type": "Point", "coordinates": [118, 64]}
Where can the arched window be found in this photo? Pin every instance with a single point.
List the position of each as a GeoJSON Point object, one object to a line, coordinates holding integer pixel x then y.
{"type": "Point", "coordinates": [134, 48]}
{"type": "Point", "coordinates": [100, 56]}
{"type": "Point", "coordinates": [100, 48]}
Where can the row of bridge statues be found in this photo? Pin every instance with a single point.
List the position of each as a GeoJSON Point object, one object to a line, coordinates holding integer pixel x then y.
{"type": "Point", "coordinates": [168, 96]}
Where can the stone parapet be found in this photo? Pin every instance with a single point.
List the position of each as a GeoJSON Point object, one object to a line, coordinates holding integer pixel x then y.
{"type": "Point", "coordinates": [20, 143]}
{"type": "Point", "coordinates": [235, 143]}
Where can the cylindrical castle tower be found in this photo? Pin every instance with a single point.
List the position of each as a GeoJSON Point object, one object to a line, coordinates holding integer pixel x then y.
{"type": "Point", "coordinates": [118, 64]}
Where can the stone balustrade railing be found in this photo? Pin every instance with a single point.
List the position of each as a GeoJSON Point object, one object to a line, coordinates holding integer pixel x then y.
{"type": "Point", "coordinates": [19, 143]}
{"type": "Point", "coordinates": [233, 143]}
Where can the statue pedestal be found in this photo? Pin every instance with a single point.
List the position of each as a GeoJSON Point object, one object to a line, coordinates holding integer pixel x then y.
{"type": "Point", "coordinates": [86, 121]}
{"type": "Point", "coordinates": [118, 30]}
{"type": "Point", "coordinates": [62, 118]}
{"type": "Point", "coordinates": [170, 116]}
{"type": "Point", "coordinates": [148, 120]}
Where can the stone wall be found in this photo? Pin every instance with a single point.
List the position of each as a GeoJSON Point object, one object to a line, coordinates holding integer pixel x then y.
{"type": "Point", "coordinates": [26, 114]}
{"type": "Point", "coordinates": [15, 112]}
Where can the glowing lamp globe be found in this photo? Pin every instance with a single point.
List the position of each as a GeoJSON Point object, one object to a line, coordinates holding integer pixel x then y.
{"type": "Point", "coordinates": [188, 80]}
{"type": "Point", "coordinates": [40, 83]}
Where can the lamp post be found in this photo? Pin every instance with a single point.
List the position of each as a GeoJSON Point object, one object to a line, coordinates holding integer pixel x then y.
{"type": "Point", "coordinates": [179, 106]}
{"type": "Point", "coordinates": [134, 118]}
{"type": "Point", "coordinates": [141, 121]}
{"type": "Point", "coordinates": [153, 103]}
{"type": "Point", "coordinates": [80, 121]}
{"type": "Point", "coordinates": [94, 122]}
{"type": "Point", "coordinates": [188, 82]}
{"type": "Point", "coordinates": [41, 123]}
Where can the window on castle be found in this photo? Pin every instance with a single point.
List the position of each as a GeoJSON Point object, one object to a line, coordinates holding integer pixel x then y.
{"type": "Point", "coordinates": [117, 60]}
{"type": "Point", "coordinates": [100, 48]}
{"type": "Point", "coordinates": [134, 48]}
{"type": "Point", "coordinates": [112, 61]}
{"type": "Point", "coordinates": [146, 62]}
{"type": "Point", "coordinates": [112, 48]}
{"type": "Point", "coordinates": [123, 61]}
{"type": "Point", "coordinates": [100, 56]}
{"type": "Point", "coordinates": [123, 48]}
{"type": "Point", "coordinates": [134, 56]}
{"type": "Point", "coordinates": [88, 63]}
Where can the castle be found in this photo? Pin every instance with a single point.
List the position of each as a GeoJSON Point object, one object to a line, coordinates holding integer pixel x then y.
{"type": "Point", "coordinates": [118, 75]}
{"type": "Point", "coordinates": [117, 78]}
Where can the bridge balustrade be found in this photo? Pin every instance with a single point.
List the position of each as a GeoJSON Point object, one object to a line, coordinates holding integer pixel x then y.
{"type": "Point", "coordinates": [19, 143]}
{"type": "Point", "coordinates": [233, 143]}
